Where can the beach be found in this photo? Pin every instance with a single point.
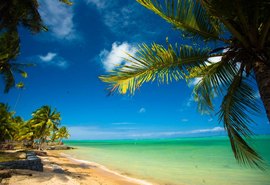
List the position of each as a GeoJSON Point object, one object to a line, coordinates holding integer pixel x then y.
{"type": "Point", "coordinates": [60, 169]}
{"type": "Point", "coordinates": [186, 161]}
{"type": "Point", "coordinates": [175, 161]}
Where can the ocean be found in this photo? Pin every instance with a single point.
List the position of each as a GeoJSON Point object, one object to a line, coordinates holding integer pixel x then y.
{"type": "Point", "coordinates": [184, 161]}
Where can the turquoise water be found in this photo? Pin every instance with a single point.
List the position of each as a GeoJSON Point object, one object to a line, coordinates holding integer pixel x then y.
{"type": "Point", "coordinates": [187, 161]}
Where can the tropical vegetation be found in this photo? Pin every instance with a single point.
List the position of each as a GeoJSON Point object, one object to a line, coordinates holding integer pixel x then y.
{"type": "Point", "coordinates": [236, 31]}
{"type": "Point", "coordinates": [6, 123]}
{"type": "Point", "coordinates": [14, 14]}
{"type": "Point", "coordinates": [60, 134]}
{"type": "Point", "coordinates": [44, 126]}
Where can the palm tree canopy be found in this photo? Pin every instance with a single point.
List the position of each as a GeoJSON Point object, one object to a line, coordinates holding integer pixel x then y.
{"type": "Point", "coordinates": [9, 50]}
{"type": "Point", "coordinates": [26, 132]}
{"type": "Point", "coordinates": [16, 12]}
{"type": "Point", "coordinates": [13, 14]}
{"type": "Point", "coordinates": [61, 133]}
{"type": "Point", "coordinates": [44, 120]}
{"type": "Point", "coordinates": [241, 28]}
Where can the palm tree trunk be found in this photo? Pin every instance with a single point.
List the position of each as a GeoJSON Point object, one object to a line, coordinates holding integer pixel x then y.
{"type": "Point", "coordinates": [40, 144]}
{"type": "Point", "coordinates": [262, 73]}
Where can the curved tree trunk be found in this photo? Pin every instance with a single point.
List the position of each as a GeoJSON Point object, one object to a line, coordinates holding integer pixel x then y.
{"type": "Point", "coordinates": [262, 73]}
{"type": "Point", "coordinates": [41, 143]}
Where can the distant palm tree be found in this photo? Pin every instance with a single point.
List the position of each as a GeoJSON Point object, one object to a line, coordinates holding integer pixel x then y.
{"type": "Point", "coordinates": [61, 133]}
{"type": "Point", "coordinates": [16, 124]}
{"type": "Point", "coordinates": [241, 29]}
{"type": "Point", "coordinates": [27, 133]}
{"type": "Point", "coordinates": [45, 121]}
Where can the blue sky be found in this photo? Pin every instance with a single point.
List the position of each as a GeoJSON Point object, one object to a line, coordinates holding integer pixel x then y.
{"type": "Point", "coordinates": [83, 42]}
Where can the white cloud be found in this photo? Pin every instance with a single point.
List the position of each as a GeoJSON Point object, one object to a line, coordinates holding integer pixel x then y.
{"type": "Point", "coordinates": [215, 59]}
{"type": "Point", "coordinates": [89, 132]}
{"type": "Point", "coordinates": [94, 132]}
{"type": "Point", "coordinates": [142, 110]}
{"type": "Point", "coordinates": [215, 129]}
{"type": "Point", "coordinates": [53, 59]}
{"type": "Point", "coordinates": [189, 101]}
{"type": "Point", "coordinates": [194, 81]}
{"type": "Point", "coordinates": [186, 104]}
{"type": "Point", "coordinates": [49, 57]}
{"type": "Point", "coordinates": [210, 119]}
{"type": "Point", "coordinates": [178, 133]}
{"type": "Point", "coordinates": [115, 57]}
{"type": "Point", "coordinates": [59, 18]}
{"type": "Point", "coordinates": [117, 18]}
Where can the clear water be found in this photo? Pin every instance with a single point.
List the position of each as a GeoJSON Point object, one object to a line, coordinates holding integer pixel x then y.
{"type": "Point", "coordinates": [188, 161]}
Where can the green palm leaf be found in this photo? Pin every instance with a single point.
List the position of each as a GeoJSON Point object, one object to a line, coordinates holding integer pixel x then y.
{"type": "Point", "coordinates": [215, 78]}
{"type": "Point", "coordinates": [239, 101]}
{"type": "Point", "coordinates": [235, 111]}
{"type": "Point", "coordinates": [186, 15]}
{"type": "Point", "coordinates": [45, 120]}
{"type": "Point", "coordinates": [66, 2]}
{"type": "Point", "coordinates": [9, 49]}
{"type": "Point", "coordinates": [155, 63]}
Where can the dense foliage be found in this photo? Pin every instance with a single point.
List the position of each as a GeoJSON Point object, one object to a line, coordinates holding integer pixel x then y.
{"type": "Point", "coordinates": [42, 127]}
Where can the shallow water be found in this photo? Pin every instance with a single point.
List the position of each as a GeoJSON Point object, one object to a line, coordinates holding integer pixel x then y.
{"type": "Point", "coordinates": [186, 161]}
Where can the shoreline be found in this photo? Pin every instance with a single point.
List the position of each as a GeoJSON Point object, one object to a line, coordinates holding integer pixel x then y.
{"type": "Point", "coordinates": [102, 167]}
{"type": "Point", "coordinates": [60, 169]}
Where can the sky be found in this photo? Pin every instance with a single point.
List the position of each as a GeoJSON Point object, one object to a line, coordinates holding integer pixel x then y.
{"type": "Point", "coordinates": [87, 40]}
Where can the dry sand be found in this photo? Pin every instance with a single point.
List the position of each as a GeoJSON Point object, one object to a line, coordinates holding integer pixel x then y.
{"type": "Point", "coordinates": [62, 170]}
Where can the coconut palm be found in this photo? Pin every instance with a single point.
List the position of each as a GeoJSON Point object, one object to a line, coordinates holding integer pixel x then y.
{"type": "Point", "coordinates": [13, 14]}
{"type": "Point", "coordinates": [61, 133]}
{"type": "Point", "coordinates": [240, 29]}
{"type": "Point", "coordinates": [16, 12]}
{"type": "Point", "coordinates": [45, 121]}
{"type": "Point", "coordinates": [9, 50]}
{"type": "Point", "coordinates": [16, 123]}
{"type": "Point", "coordinates": [27, 133]}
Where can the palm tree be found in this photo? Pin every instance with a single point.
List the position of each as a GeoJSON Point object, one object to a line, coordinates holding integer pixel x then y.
{"type": "Point", "coordinates": [61, 133]}
{"type": "Point", "coordinates": [17, 122]}
{"type": "Point", "coordinates": [14, 13]}
{"type": "Point", "coordinates": [45, 121]}
{"type": "Point", "coordinates": [6, 120]}
{"type": "Point", "coordinates": [27, 133]}
{"type": "Point", "coordinates": [9, 50]}
{"type": "Point", "coordinates": [241, 30]}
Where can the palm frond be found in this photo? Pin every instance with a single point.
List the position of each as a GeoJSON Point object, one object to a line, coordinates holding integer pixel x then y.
{"type": "Point", "coordinates": [215, 78]}
{"type": "Point", "coordinates": [155, 63]}
{"type": "Point", "coordinates": [186, 15]}
{"type": "Point", "coordinates": [9, 51]}
{"type": "Point", "coordinates": [66, 2]}
{"type": "Point", "coordinates": [235, 111]}
{"type": "Point", "coordinates": [8, 79]}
